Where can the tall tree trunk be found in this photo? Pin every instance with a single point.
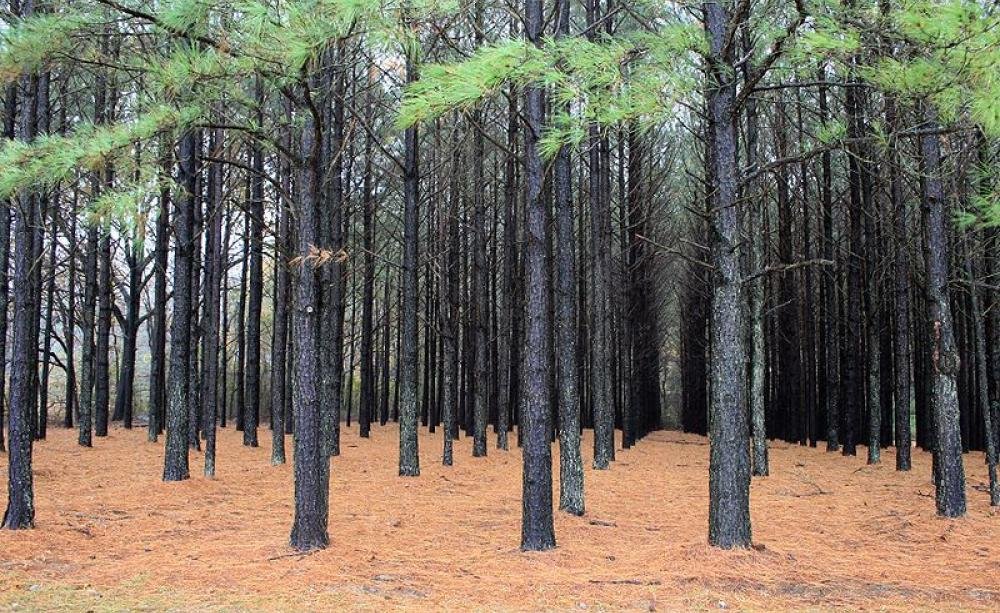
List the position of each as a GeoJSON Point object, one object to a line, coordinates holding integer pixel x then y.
{"type": "Point", "coordinates": [20, 511]}
{"type": "Point", "coordinates": [409, 459]}
{"type": "Point", "coordinates": [828, 290]}
{"type": "Point", "coordinates": [214, 269]}
{"type": "Point", "coordinates": [102, 361]}
{"type": "Point", "coordinates": [508, 363]}
{"type": "Point", "coordinates": [279, 340]}
{"type": "Point", "coordinates": [255, 301]}
{"type": "Point", "coordinates": [758, 363]}
{"type": "Point", "coordinates": [537, 530]}
{"type": "Point", "coordinates": [949, 477]}
{"type": "Point", "coordinates": [981, 393]}
{"type": "Point", "coordinates": [126, 374]}
{"type": "Point", "coordinates": [600, 310]}
{"type": "Point", "coordinates": [158, 370]}
{"type": "Point", "coordinates": [69, 319]}
{"type": "Point", "coordinates": [571, 497]}
{"type": "Point", "coordinates": [50, 290]}
{"type": "Point", "coordinates": [10, 110]}
{"type": "Point", "coordinates": [175, 462]}
{"type": "Point", "coordinates": [239, 384]}
{"type": "Point", "coordinates": [309, 528]}
{"type": "Point", "coordinates": [729, 436]}
{"type": "Point", "coordinates": [366, 406]}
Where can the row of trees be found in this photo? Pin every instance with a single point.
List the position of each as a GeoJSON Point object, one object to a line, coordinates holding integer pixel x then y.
{"type": "Point", "coordinates": [485, 218]}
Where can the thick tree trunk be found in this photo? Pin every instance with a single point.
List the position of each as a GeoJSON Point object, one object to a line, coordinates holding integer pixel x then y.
{"type": "Point", "coordinates": [729, 436]}
{"type": "Point", "coordinates": [175, 463]}
{"type": "Point", "coordinates": [537, 531]}
{"type": "Point", "coordinates": [571, 497]}
{"type": "Point", "coordinates": [409, 459]}
{"type": "Point", "coordinates": [20, 511]}
{"type": "Point", "coordinates": [600, 309]}
{"type": "Point", "coordinates": [949, 477]}
{"type": "Point", "coordinates": [309, 528]}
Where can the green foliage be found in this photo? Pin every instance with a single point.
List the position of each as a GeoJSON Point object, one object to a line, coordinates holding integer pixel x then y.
{"type": "Point", "coordinates": [447, 87]}
{"type": "Point", "coordinates": [633, 78]}
{"type": "Point", "coordinates": [30, 44]}
{"type": "Point", "coordinates": [953, 53]}
{"type": "Point", "coordinates": [51, 159]}
{"type": "Point", "coordinates": [831, 131]}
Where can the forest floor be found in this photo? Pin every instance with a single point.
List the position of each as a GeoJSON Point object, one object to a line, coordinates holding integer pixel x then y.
{"type": "Point", "coordinates": [830, 531]}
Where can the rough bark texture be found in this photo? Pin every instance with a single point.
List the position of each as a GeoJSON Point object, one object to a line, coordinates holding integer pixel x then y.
{"type": "Point", "coordinates": [311, 480]}
{"type": "Point", "coordinates": [20, 511]}
{"type": "Point", "coordinates": [571, 497]}
{"type": "Point", "coordinates": [175, 463]}
{"type": "Point", "coordinates": [949, 474]}
{"type": "Point", "coordinates": [729, 461]}
{"type": "Point", "coordinates": [255, 301]}
{"type": "Point", "coordinates": [537, 531]}
{"type": "Point", "coordinates": [409, 459]}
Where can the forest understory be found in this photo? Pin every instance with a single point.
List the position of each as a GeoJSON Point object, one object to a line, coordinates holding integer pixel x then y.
{"type": "Point", "coordinates": [833, 533]}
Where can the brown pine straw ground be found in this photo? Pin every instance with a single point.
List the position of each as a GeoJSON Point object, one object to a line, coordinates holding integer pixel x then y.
{"type": "Point", "coordinates": [831, 532]}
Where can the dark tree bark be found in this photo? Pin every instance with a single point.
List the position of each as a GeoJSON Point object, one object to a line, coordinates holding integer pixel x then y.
{"type": "Point", "coordinates": [195, 414]}
{"type": "Point", "coordinates": [409, 459]}
{"type": "Point", "coordinates": [828, 293]}
{"type": "Point", "coordinates": [949, 478]}
{"type": "Point", "coordinates": [901, 300]}
{"type": "Point", "coordinates": [10, 110]}
{"type": "Point", "coordinates": [786, 313]}
{"type": "Point", "coordinates": [124, 392]}
{"type": "Point", "coordinates": [69, 320]}
{"type": "Point", "coordinates": [102, 374]}
{"type": "Point", "coordinates": [729, 461]}
{"type": "Point", "coordinates": [84, 421]}
{"type": "Point", "coordinates": [239, 384]}
{"type": "Point", "coordinates": [309, 528]}
{"type": "Point", "coordinates": [46, 356]}
{"type": "Point", "coordinates": [214, 268]}
{"type": "Point", "coordinates": [756, 217]}
{"type": "Point", "coordinates": [175, 462]}
{"type": "Point", "coordinates": [981, 393]}
{"type": "Point", "coordinates": [251, 410]}
{"type": "Point", "coordinates": [20, 511]}
{"type": "Point", "coordinates": [158, 370]}
{"type": "Point", "coordinates": [537, 531]}
{"type": "Point", "coordinates": [448, 312]}
{"type": "Point", "coordinates": [366, 406]}
{"type": "Point", "coordinates": [223, 389]}
{"type": "Point", "coordinates": [854, 356]}
{"type": "Point", "coordinates": [644, 367]}
{"type": "Point", "coordinates": [332, 273]}
{"type": "Point", "coordinates": [279, 340]}
{"type": "Point", "coordinates": [600, 310]}
{"type": "Point", "coordinates": [571, 497]}
{"type": "Point", "coordinates": [508, 367]}
{"type": "Point", "coordinates": [384, 390]}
